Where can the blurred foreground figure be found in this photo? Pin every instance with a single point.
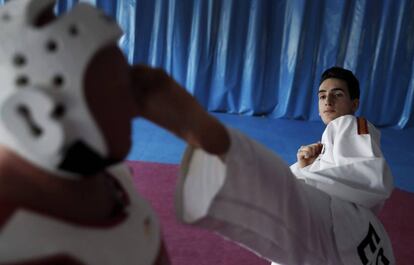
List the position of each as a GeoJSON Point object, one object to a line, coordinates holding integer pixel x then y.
{"type": "Point", "coordinates": [65, 112]}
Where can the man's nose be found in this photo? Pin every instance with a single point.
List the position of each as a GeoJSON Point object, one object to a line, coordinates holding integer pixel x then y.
{"type": "Point", "coordinates": [330, 100]}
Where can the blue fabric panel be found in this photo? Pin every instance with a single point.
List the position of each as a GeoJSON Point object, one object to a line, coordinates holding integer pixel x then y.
{"type": "Point", "coordinates": [265, 57]}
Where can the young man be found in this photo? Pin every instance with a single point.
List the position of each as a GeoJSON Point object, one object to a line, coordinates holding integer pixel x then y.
{"type": "Point", "coordinates": [319, 211]}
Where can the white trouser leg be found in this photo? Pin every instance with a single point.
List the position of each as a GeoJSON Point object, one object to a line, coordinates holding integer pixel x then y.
{"type": "Point", "coordinates": [254, 199]}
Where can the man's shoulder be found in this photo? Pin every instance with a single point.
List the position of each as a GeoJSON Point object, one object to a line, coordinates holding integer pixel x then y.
{"type": "Point", "coordinates": [356, 125]}
{"type": "Point", "coordinates": [345, 119]}
{"type": "Point", "coordinates": [341, 123]}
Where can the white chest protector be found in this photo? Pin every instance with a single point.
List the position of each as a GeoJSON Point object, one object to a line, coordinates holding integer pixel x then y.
{"type": "Point", "coordinates": [134, 240]}
{"type": "Point", "coordinates": [43, 110]}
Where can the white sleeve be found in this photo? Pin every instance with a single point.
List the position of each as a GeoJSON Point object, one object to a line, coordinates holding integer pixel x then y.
{"type": "Point", "coordinates": [352, 166]}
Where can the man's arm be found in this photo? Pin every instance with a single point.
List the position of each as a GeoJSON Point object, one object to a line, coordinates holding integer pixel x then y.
{"type": "Point", "coordinates": [352, 167]}
{"type": "Point", "coordinates": [307, 154]}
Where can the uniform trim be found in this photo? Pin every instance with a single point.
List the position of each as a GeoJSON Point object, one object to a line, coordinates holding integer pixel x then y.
{"type": "Point", "coordinates": [362, 126]}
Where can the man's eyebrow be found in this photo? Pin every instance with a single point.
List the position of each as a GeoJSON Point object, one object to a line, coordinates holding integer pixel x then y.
{"type": "Point", "coordinates": [333, 89]}
{"type": "Point", "coordinates": [321, 91]}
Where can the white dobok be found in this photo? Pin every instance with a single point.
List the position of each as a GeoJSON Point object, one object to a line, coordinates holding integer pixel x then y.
{"type": "Point", "coordinates": [320, 214]}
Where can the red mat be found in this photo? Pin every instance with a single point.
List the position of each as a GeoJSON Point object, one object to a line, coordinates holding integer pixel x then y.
{"type": "Point", "coordinates": [189, 246]}
{"type": "Point", "coordinates": [398, 219]}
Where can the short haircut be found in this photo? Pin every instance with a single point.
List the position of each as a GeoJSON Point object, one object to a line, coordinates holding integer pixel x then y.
{"type": "Point", "coordinates": [345, 75]}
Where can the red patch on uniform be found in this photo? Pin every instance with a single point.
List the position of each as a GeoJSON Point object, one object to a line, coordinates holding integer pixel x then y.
{"type": "Point", "coordinates": [362, 126]}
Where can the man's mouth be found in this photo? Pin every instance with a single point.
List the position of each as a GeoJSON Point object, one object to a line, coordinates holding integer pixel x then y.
{"type": "Point", "coordinates": [329, 111]}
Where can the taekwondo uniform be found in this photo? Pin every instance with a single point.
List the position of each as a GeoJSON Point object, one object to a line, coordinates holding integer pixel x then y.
{"type": "Point", "coordinates": [321, 214]}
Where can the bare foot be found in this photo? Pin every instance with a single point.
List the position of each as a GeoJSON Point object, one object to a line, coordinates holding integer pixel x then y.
{"type": "Point", "coordinates": [163, 101]}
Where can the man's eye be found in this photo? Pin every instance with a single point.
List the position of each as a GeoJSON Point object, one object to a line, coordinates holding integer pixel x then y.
{"type": "Point", "coordinates": [322, 97]}
{"type": "Point", "coordinates": [338, 95]}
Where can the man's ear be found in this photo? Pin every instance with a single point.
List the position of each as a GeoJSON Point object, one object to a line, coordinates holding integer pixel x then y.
{"type": "Point", "coordinates": [355, 104]}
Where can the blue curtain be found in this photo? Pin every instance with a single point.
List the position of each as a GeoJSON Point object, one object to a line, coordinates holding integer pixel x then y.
{"type": "Point", "coordinates": [264, 57]}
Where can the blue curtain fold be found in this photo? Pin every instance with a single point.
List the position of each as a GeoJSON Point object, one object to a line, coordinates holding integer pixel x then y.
{"type": "Point", "coordinates": [264, 57]}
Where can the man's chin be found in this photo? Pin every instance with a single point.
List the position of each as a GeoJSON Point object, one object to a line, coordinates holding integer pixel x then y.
{"type": "Point", "coordinates": [328, 118]}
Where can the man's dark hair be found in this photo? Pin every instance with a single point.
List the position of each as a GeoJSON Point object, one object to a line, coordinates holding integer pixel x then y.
{"type": "Point", "coordinates": [345, 75]}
